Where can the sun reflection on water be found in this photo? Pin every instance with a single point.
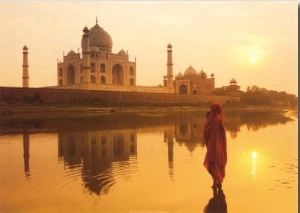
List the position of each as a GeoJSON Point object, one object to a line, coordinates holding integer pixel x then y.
{"type": "Point", "coordinates": [253, 165]}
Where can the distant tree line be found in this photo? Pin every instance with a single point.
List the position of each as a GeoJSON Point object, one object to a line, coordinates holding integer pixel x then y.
{"type": "Point", "coordinates": [261, 96]}
{"type": "Point", "coordinates": [257, 96]}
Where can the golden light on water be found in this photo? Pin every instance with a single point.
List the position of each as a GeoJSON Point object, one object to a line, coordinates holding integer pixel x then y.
{"type": "Point", "coordinates": [253, 164]}
{"type": "Point", "coordinates": [254, 155]}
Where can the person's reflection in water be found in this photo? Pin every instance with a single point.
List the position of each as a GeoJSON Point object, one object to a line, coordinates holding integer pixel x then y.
{"type": "Point", "coordinates": [217, 204]}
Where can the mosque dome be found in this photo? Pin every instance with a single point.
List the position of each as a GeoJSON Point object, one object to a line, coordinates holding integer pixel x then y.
{"type": "Point", "coordinates": [71, 53]}
{"type": "Point", "coordinates": [202, 73]}
{"type": "Point", "coordinates": [122, 53]}
{"type": "Point", "coordinates": [179, 75]}
{"type": "Point", "coordinates": [233, 81]}
{"type": "Point", "coordinates": [94, 49]}
{"type": "Point", "coordinates": [190, 71]}
{"type": "Point", "coordinates": [100, 38]}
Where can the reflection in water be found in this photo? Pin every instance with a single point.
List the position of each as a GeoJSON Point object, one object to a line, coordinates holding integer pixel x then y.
{"type": "Point", "coordinates": [232, 123]}
{"type": "Point", "coordinates": [168, 137]}
{"type": "Point", "coordinates": [253, 165]}
{"type": "Point", "coordinates": [99, 144]}
{"type": "Point", "coordinates": [190, 134]}
{"type": "Point", "coordinates": [217, 204]}
{"type": "Point", "coordinates": [95, 145]}
{"type": "Point", "coordinates": [191, 123]}
{"type": "Point", "coordinates": [254, 120]}
{"type": "Point", "coordinates": [95, 152]}
{"type": "Point", "coordinates": [103, 151]}
{"type": "Point", "coordinates": [26, 152]}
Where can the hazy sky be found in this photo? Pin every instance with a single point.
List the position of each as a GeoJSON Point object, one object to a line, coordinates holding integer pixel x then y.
{"type": "Point", "coordinates": [255, 42]}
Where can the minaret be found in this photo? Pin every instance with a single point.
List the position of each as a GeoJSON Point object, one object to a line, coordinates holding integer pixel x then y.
{"type": "Point", "coordinates": [85, 45]}
{"type": "Point", "coordinates": [25, 67]}
{"type": "Point", "coordinates": [169, 67]}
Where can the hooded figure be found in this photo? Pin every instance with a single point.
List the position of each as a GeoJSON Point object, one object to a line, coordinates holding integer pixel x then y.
{"type": "Point", "coordinates": [216, 145]}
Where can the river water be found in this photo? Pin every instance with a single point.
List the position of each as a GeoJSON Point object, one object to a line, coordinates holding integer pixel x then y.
{"type": "Point", "coordinates": [148, 163]}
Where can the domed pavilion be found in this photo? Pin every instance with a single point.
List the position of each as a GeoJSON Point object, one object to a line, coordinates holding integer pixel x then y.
{"type": "Point", "coordinates": [97, 64]}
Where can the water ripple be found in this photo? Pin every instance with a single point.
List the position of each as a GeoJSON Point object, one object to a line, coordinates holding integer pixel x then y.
{"type": "Point", "coordinates": [291, 169]}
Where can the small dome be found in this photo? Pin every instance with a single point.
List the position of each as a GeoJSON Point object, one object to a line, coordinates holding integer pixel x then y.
{"type": "Point", "coordinates": [202, 73]}
{"type": "Point", "coordinates": [233, 81]}
{"type": "Point", "coordinates": [85, 29]}
{"type": "Point", "coordinates": [94, 49]}
{"type": "Point", "coordinates": [100, 38]}
{"type": "Point", "coordinates": [25, 48]}
{"type": "Point", "coordinates": [122, 53]}
{"type": "Point", "coordinates": [71, 52]}
{"type": "Point", "coordinates": [169, 46]}
{"type": "Point", "coordinates": [190, 71]}
{"type": "Point", "coordinates": [212, 75]}
{"type": "Point", "coordinates": [179, 75]}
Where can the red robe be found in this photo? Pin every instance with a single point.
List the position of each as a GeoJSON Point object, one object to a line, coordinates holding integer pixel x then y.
{"type": "Point", "coordinates": [216, 143]}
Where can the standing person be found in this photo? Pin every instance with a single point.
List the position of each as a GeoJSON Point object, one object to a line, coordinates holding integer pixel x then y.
{"type": "Point", "coordinates": [216, 145]}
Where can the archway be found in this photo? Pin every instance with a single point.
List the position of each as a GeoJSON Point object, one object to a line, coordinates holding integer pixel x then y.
{"type": "Point", "coordinates": [131, 82]}
{"type": "Point", "coordinates": [117, 74]}
{"type": "Point", "coordinates": [131, 71]}
{"type": "Point", "coordinates": [102, 80]}
{"type": "Point", "coordinates": [102, 68]}
{"type": "Point", "coordinates": [60, 71]}
{"type": "Point", "coordinates": [183, 130]}
{"type": "Point", "coordinates": [182, 89]}
{"type": "Point", "coordinates": [70, 74]}
{"type": "Point", "coordinates": [93, 79]}
{"type": "Point", "coordinates": [93, 68]}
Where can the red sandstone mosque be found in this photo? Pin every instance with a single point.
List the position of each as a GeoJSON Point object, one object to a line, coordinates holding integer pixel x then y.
{"type": "Point", "coordinates": [97, 68]}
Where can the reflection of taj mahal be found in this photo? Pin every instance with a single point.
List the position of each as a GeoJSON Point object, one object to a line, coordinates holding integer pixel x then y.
{"type": "Point", "coordinates": [95, 151]}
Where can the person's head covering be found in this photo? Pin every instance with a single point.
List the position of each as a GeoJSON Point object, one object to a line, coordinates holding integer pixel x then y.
{"type": "Point", "coordinates": [216, 111]}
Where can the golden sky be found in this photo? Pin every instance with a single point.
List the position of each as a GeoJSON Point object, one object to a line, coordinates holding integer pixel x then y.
{"type": "Point", "coordinates": [255, 42]}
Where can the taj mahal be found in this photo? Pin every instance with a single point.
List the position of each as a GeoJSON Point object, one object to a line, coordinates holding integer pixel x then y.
{"type": "Point", "coordinates": [98, 68]}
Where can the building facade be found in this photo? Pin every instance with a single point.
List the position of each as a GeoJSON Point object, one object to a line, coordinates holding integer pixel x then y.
{"type": "Point", "coordinates": [98, 68]}
{"type": "Point", "coordinates": [193, 82]}
{"type": "Point", "coordinates": [98, 64]}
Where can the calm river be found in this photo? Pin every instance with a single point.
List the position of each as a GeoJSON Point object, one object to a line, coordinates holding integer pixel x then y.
{"type": "Point", "coordinates": [147, 163]}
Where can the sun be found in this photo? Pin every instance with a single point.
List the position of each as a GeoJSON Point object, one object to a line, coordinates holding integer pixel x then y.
{"type": "Point", "coordinates": [253, 59]}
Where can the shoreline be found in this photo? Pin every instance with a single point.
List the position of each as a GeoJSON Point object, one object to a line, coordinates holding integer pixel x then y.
{"type": "Point", "coordinates": [29, 112]}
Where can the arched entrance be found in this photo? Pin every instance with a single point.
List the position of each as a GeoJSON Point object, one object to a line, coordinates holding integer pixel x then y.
{"type": "Point", "coordinates": [117, 74]}
{"type": "Point", "coordinates": [70, 74]}
{"type": "Point", "coordinates": [131, 82]}
{"type": "Point", "coordinates": [102, 80]}
{"type": "Point", "coordinates": [182, 89]}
